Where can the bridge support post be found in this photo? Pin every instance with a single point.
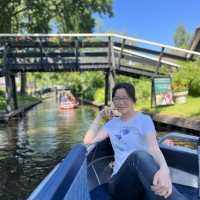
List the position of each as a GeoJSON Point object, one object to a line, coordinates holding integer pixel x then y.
{"type": "Point", "coordinates": [23, 83]}
{"type": "Point", "coordinates": [110, 74]}
{"type": "Point", "coordinates": [11, 91]}
{"type": "Point", "coordinates": [109, 84]}
{"type": "Point", "coordinates": [11, 94]}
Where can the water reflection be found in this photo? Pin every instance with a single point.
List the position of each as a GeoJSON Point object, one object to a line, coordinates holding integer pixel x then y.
{"type": "Point", "coordinates": [32, 146]}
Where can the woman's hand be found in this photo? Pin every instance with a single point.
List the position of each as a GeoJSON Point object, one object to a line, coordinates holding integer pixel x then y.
{"type": "Point", "coordinates": [162, 184]}
{"type": "Point", "coordinates": [106, 112]}
{"type": "Point", "coordinates": [109, 112]}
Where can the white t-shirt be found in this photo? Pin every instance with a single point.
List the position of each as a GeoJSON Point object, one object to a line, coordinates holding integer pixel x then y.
{"type": "Point", "coordinates": [128, 136]}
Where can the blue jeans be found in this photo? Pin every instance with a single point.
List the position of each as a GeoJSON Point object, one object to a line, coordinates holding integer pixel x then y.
{"type": "Point", "coordinates": [134, 178]}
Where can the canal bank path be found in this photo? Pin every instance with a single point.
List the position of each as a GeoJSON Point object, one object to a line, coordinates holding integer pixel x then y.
{"type": "Point", "coordinates": [4, 116]}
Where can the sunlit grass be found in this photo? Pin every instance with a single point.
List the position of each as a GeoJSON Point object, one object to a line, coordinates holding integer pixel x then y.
{"type": "Point", "coordinates": [189, 109]}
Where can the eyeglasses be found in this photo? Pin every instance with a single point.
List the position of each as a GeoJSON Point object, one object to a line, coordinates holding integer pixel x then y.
{"type": "Point", "coordinates": [118, 99]}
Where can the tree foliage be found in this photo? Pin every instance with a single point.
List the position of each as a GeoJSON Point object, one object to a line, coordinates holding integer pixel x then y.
{"type": "Point", "coordinates": [188, 77]}
{"type": "Point", "coordinates": [37, 16]}
{"type": "Point", "coordinates": [181, 37]}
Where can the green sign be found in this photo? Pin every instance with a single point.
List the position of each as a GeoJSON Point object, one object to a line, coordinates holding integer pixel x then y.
{"type": "Point", "coordinates": [162, 91]}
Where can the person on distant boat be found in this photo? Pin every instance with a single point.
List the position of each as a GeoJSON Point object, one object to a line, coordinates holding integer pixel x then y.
{"type": "Point", "coordinates": [72, 98]}
{"type": "Point", "coordinates": [140, 169]}
{"type": "Point", "coordinates": [60, 97]}
{"type": "Point", "coordinates": [64, 98]}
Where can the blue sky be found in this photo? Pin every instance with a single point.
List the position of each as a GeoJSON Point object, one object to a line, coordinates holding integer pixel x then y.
{"type": "Point", "coordinates": [154, 20]}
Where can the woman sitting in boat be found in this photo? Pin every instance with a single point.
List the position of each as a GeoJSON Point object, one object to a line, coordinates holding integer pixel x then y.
{"type": "Point", "coordinates": [140, 168]}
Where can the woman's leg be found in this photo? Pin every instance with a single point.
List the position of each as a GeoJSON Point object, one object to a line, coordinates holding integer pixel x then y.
{"type": "Point", "coordinates": [145, 167]}
{"type": "Point", "coordinates": [125, 185]}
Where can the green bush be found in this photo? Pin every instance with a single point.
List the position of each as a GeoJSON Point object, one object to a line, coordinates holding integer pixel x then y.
{"type": "Point", "coordinates": [2, 100]}
{"type": "Point", "coordinates": [143, 89]}
{"type": "Point", "coordinates": [89, 93]}
{"type": "Point", "coordinates": [194, 88]}
{"type": "Point", "coordinates": [99, 95]}
{"type": "Point", "coordinates": [2, 93]}
{"type": "Point", "coordinates": [187, 77]}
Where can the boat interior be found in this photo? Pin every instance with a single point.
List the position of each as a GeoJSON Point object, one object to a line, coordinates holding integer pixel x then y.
{"type": "Point", "coordinates": [84, 173]}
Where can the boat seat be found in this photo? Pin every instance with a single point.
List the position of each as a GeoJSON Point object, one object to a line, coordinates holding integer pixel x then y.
{"type": "Point", "coordinates": [189, 192]}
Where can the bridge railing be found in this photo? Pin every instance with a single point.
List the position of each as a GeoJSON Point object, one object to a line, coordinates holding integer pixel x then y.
{"type": "Point", "coordinates": [67, 52]}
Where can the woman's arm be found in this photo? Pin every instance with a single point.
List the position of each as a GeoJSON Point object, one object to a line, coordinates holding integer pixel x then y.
{"type": "Point", "coordinates": [154, 150]}
{"type": "Point", "coordinates": [162, 182]}
{"type": "Point", "coordinates": [94, 134]}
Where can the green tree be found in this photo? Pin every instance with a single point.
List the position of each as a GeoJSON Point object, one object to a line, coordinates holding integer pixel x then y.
{"type": "Point", "coordinates": [8, 13]}
{"type": "Point", "coordinates": [188, 77]}
{"type": "Point", "coordinates": [181, 37]}
{"type": "Point", "coordinates": [35, 16]}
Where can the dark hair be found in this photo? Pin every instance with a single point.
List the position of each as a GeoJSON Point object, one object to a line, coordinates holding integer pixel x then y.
{"type": "Point", "coordinates": [130, 90]}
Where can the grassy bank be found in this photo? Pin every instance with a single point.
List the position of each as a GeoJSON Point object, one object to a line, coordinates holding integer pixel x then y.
{"type": "Point", "coordinates": [26, 100]}
{"type": "Point", "coordinates": [22, 100]}
{"type": "Point", "coordinates": [189, 109]}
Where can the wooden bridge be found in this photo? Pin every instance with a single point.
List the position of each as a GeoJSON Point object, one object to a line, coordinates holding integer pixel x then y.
{"type": "Point", "coordinates": [111, 53]}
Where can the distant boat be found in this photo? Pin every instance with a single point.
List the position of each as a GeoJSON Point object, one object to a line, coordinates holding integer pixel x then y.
{"type": "Point", "coordinates": [83, 174]}
{"type": "Point", "coordinates": [68, 105]}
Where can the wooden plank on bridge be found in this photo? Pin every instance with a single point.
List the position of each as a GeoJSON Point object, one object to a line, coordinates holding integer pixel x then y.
{"type": "Point", "coordinates": [134, 72]}
{"type": "Point", "coordinates": [82, 44]}
{"type": "Point", "coordinates": [150, 51]}
{"type": "Point", "coordinates": [56, 54]}
{"type": "Point", "coordinates": [147, 57]}
{"type": "Point", "coordinates": [47, 67]}
{"type": "Point", "coordinates": [137, 59]}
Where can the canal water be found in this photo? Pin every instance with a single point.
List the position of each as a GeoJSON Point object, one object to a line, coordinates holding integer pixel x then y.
{"type": "Point", "coordinates": [31, 146]}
